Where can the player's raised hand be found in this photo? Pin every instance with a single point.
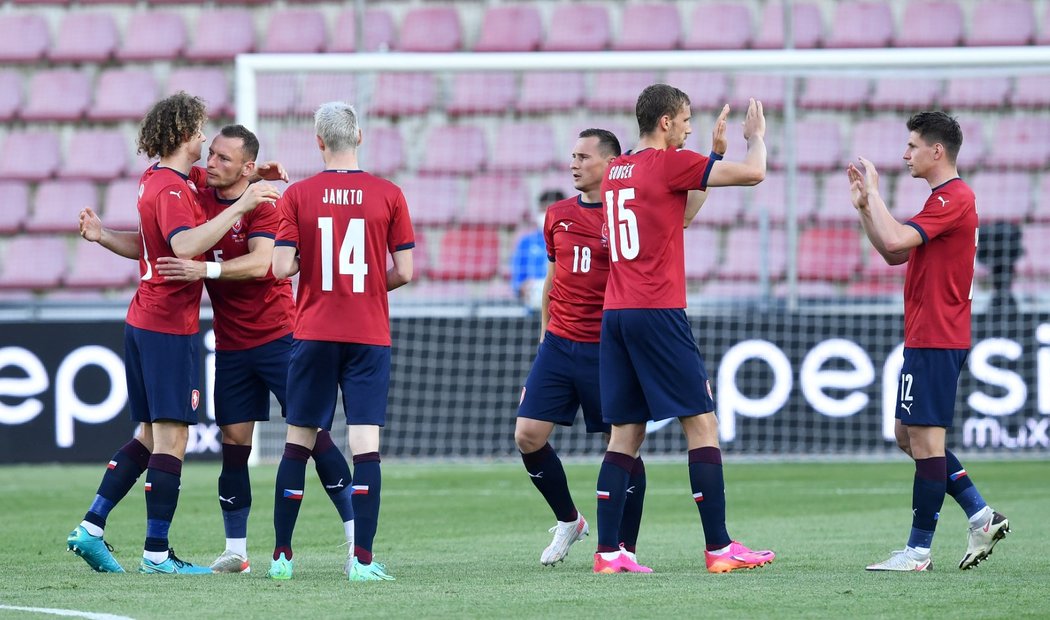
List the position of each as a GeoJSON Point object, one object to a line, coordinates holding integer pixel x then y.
{"type": "Point", "coordinates": [858, 194]}
{"type": "Point", "coordinates": [871, 176]}
{"type": "Point", "coordinates": [272, 171]}
{"type": "Point", "coordinates": [90, 225]}
{"type": "Point", "coordinates": [719, 143]}
{"type": "Point", "coordinates": [755, 120]}
{"type": "Point", "coordinates": [255, 195]}
{"type": "Point", "coordinates": [173, 268]}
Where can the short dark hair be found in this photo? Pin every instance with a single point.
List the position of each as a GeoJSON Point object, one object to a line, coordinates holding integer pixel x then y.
{"type": "Point", "coordinates": [551, 196]}
{"type": "Point", "coordinates": [608, 145]}
{"type": "Point", "coordinates": [938, 127]}
{"type": "Point", "coordinates": [170, 123]}
{"type": "Point", "coordinates": [249, 143]}
{"type": "Point", "coordinates": [655, 102]}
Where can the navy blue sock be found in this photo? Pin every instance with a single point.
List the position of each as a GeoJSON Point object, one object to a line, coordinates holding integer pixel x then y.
{"type": "Point", "coordinates": [288, 496]}
{"type": "Point", "coordinates": [709, 493]}
{"type": "Point", "coordinates": [162, 497]}
{"type": "Point", "coordinates": [334, 473]}
{"type": "Point", "coordinates": [548, 476]}
{"type": "Point", "coordinates": [613, 478]}
{"type": "Point", "coordinates": [961, 487]}
{"type": "Point", "coordinates": [632, 508]}
{"type": "Point", "coordinates": [123, 470]}
{"type": "Point", "coordinates": [235, 490]}
{"type": "Point", "coordinates": [368, 482]}
{"type": "Point", "coordinates": [927, 497]}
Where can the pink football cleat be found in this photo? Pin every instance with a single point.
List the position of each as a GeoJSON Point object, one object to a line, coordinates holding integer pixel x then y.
{"type": "Point", "coordinates": [738, 557]}
{"type": "Point", "coordinates": [622, 563]}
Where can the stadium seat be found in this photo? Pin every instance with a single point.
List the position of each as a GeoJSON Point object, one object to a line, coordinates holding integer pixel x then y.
{"type": "Point", "coordinates": [724, 206]}
{"type": "Point", "coordinates": [454, 149]}
{"type": "Point", "coordinates": [876, 268]}
{"type": "Point", "coordinates": [57, 95]}
{"type": "Point", "coordinates": [383, 151]}
{"type": "Point", "coordinates": [57, 203]}
{"type": "Point", "coordinates": [84, 37]}
{"type": "Point", "coordinates": [835, 93]}
{"type": "Point", "coordinates": [828, 254]}
{"type": "Point", "coordinates": [985, 92]}
{"type": "Point", "coordinates": [876, 288]}
{"type": "Point", "coordinates": [510, 28]}
{"type": "Point", "coordinates": [431, 29]}
{"type": "Point", "coordinates": [523, 146]}
{"type": "Point", "coordinates": [96, 267]}
{"type": "Point", "coordinates": [881, 141]}
{"type": "Point", "coordinates": [300, 31]}
{"type": "Point", "coordinates": [467, 253]}
{"type": "Point", "coordinates": [748, 254]}
{"type": "Point", "coordinates": [14, 196]}
{"type": "Point", "coordinates": [153, 35]}
{"type": "Point", "coordinates": [860, 23]}
{"type": "Point", "coordinates": [1001, 22]}
{"type": "Point", "coordinates": [545, 91]}
{"type": "Point", "coordinates": [219, 35]}
{"type": "Point", "coordinates": [974, 150]}
{"type": "Point", "coordinates": [276, 93]}
{"type": "Point", "coordinates": [701, 252]}
{"type": "Point", "coordinates": [769, 199]}
{"type": "Point", "coordinates": [1002, 195]}
{"type": "Point", "coordinates": [931, 24]}
{"type": "Point", "coordinates": [707, 90]}
{"type": "Point", "coordinates": [1041, 209]}
{"type": "Point", "coordinates": [909, 196]}
{"type": "Point", "coordinates": [718, 26]}
{"type": "Point", "coordinates": [817, 145]}
{"type": "Point", "coordinates": [807, 26]}
{"type": "Point", "coordinates": [432, 200]}
{"type": "Point", "coordinates": [24, 37]}
{"type": "Point", "coordinates": [296, 149]}
{"type": "Point", "coordinates": [482, 93]}
{"type": "Point", "coordinates": [495, 200]}
{"type": "Point", "coordinates": [1043, 37]}
{"type": "Point", "coordinates": [96, 155]}
{"type": "Point", "coordinates": [120, 205]}
{"type": "Point", "coordinates": [138, 163]}
{"type": "Point", "coordinates": [1020, 142]}
{"type": "Point", "coordinates": [379, 31]}
{"type": "Point", "coordinates": [123, 94]}
{"type": "Point", "coordinates": [400, 94]}
{"type": "Point", "coordinates": [10, 94]}
{"type": "Point", "coordinates": [29, 155]}
{"type": "Point", "coordinates": [767, 88]}
{"type": "Point", "coordinates": [904, 94]}
{"type": "Point", "coordinates": [578, 28]}
{"type": "Point", "coordinates": [1031, 91]}
{"type": "Point", "coordinates": [323, 87]}
{"type": "Point", "coordinates": [1035, 260]}
{"type": "Point", "coordinates": [617, 91]}
{"type": "Point", "coordinates": [208, 83]}
{"type": "Point", "coordinates": [835, 206]}
{"type": "Point", "coordinates": [649, 26]}
{"type": "Point", "coordinates": [33, 262]}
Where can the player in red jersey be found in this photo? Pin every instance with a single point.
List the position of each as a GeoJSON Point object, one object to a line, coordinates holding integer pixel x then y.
{"type": "Point", "coordinates": [651, 368]}
{"type": "Point", "coordinates": [337, 230]}
{"type": "Point", "coordinates": [161, 347]}
{"type": "Point", "coordinates": [939, 245]}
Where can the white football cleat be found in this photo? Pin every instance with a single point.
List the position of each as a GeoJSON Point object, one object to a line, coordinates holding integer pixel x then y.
{"type": "Point", "coordinates": [565, 534]}
{"type": "Point", "coordinates": [982, 538]}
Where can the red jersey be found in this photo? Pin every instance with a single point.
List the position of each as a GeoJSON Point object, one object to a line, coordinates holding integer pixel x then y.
{"type": "Point", "coordinates": [344, 223]}
{"type": "Point", "coordinates": [645, 195]}
{"type": "Point", "coordinates": [168, 204]}
{"type": "Point", "coordinates": [248, 313]}
{"type": "Point", "coordinates": [579, 249]}
{"type": "Point", "coordinates": [938, 285]}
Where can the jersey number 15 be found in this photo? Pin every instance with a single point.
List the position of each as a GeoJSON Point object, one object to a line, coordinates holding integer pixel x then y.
{"type": "Point", "coordinates": [351, 253]}
{"type": "Point", "coordinates": [623, 225]}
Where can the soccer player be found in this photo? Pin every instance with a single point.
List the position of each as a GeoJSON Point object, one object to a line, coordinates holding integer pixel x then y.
{"type": "Point", "coordinates": [939, 245]}
{"type": "Point", "coordinates": [161, 345]}
{"type": "Point", "coordinates": [650, 366]}
{"type": "Point", "coordinates": [337, 229]}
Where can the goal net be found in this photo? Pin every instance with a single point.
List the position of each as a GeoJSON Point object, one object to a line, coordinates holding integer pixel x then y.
{"type": "Point", "coordinates": [799, 321]}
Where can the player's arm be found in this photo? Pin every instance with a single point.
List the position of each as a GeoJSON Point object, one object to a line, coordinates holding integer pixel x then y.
{"type": "Point", "coordinates": [401, 273]}
{"type": "Point", "coordinates": [719, 144]}
{"type": "Point", "coordinates": [121, 242]}
{"type": "Point", "coordinates": [545, 301]}
{"type": "Point", "coordinates": [891, 239]}
{"type": "Point", "coordinates": [195, 241]}
{"type": "Point", "coordinates": [285, 261]}
{"type": "Point", "coordinates": [752, 170]}
{"type": "Point", "coordinates": [254, 264]}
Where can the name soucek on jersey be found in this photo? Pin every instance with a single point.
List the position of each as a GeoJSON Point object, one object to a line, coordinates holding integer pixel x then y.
{"type": "Point", "coordinates": [578, 245]}
{"type": "Point", "coordinates": [644, 197]}
{"type": "Point", "coordinates": [167, 205]}
{"type": "Point", "coordinates": [938, 283]}
{"type": "Point", "coordinates": [344, 224]}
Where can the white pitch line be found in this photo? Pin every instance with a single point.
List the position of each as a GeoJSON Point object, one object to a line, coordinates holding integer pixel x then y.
{"type": "Point", "coordinates": [90, 615]}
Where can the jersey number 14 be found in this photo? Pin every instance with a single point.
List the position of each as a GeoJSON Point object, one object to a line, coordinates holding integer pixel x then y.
{"type": "Point", "coordinates": [623, 225]}
{"type": "Point", "coordinates": [351, 253]}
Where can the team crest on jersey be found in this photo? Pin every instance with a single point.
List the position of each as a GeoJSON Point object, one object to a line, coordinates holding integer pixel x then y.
{"type": "Point", "coordinates": [238, 225]}
{"type": "Point", "coordinates": [522, 399]}
{"type": "Point", "coordinates": [605, 235]}
{"type": "Point", "coordinates": [195, 399]}
{"type": "Point", "coordinates": [193, 188]}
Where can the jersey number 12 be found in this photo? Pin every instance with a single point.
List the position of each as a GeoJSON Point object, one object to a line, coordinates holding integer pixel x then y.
{"type": "Point", "coordinates": [351, 253]}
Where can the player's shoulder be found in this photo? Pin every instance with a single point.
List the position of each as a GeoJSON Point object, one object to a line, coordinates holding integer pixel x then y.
{"type": "Point", "coordinates": [953, 191]}
{"type": "Point", "coordinates": [563, 205]}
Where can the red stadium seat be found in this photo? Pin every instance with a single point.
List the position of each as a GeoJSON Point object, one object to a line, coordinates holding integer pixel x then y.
{"type": "Point", "coordinates": [974, 150]}
{"type": "Point", "coordinates": [383, 151]}
{"type": "Point", "coordinates": [467, 254]}
{"type": "Point", "coordinates": [432, 200]}
{"type": "Point", "coordinates": [10, 94]}
{"type": "Point", "coordinates": [523, 146]}
{"type": "Point", "coordinates": [33, 262]}
{"type": "Point", "coordinates": [323, 87]}
{"type": "Point", "coordinates": [482, 93]}
{"type": "Point", "coordinates": [768, 199]}
{"type": "Point", "coordinates": [208, 83]}
{"type": "Point", "coordinates": [828, 254]}
{"type": "Point", "coordinates": [57, 95]}
{"type": "Point", "coordinates": [817, 145]}
{"type": "Point", "coordinates": [57, 203]}
{"type": "Point", "coordinates": [985, 92]}
{"type": "Point", "coordinates": [767, 88]}
{"type": "Point", "coordinates": [299, 31]}
{"type": "Point", "coordinates": [510, 28]}
{"type": "Point", "coordinates": [578, 28]}
{"type": "Point", "coordinates": [876, 268]}
{"type": "Point", "coordinates": [14, 195]}
{"type": "Point", "coordinates": [84, 37]}
{"type": "Point", "coordinates": [1031, 91]}
{"type": "Point", "coordinates": [94, 266]}
{"type": "Point", "coordinates": [1002, 195]}
{"type": "Point", "coordinates": [836, 208]}
{"type": "Point", "coordinates": [1035, 260]}
{"type": "Point", "coordinates": [650, 26]}
{"type": "Point", "coordinates": [701, 252]}
{"type": "Point", "coordinates": [724, 207]}
{"type": "Point", "coordinates": [881, 141]}
{"type": "Point", "coordinates": [707, 90]}
{"type": "Point", "coordinates": [96, 155]}
{"type": "Point", "coordinates": [835, 93]}
{"type": "Point", "coordinates": [276, 93]}
{"type": "Point", "coordinates": [495, 200]}
{"type": "Point", "coordinates": [1020, 142]}
{"type": "Point", "coordinates": [120, 205]}
{"type": "Point", "coordinates": [617, 91]}
{"type": "Point", "coordinates": [297, 151]}
{"type": "Point", "coordinates": [748, 254]}
{"type": "Point", "coordinates": [154, 35]}
{"type": "Point", "coordinates": [904, 94]}
{"type": "Point", "coordinates": [718, 26]}
{"type": "Point", "coordinates": [431, 29]}
{"type": "Point", "coordinates": [861, 23]}
{"type": "Point", "coordinates": [29, 155]}
{"type": "Point", "coordinates": [543, 91]}
{"type": "Point", "coordinates": [909, 196]}
{"type": "Point", "coordinates": [379, 31]}
{"type": "Point", "coordinates": [123, 94]}
{"type": "Point", "coordinates": [219, 35]}
{"type": "Point", "coordinates": [931, 24]}
{"type": "Point", "coordinates": [24, 37]}
{"type": "Point", "coordinates": [454, 149]}
{"type": "Point", "coordinates": [400, 94]}
{"type": "Point", "coordinates": [1002, 22]}
{"type": "Point", "coordinates": [807, 26]}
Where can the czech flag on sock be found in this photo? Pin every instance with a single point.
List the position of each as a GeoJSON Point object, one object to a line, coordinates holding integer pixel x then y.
{"type": "Point", "coordinates": [112, 465]}
{"type": "Point", "coordinates": [359, 489]}
{"type": "Point", "coordinates": [149, 487]}
{"type": "Point", "coordinates": [293, 494]}
{"type": "Point", "coordinates": [698, 497]}
{"type": "Point", "coordinates": [957, 475]}
{"type": "Point", "coordinates": [603, 495]}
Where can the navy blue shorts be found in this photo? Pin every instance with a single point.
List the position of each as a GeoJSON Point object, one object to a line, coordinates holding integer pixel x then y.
{"type": "Point", "coordinates": [164, 375]}
{"type": "Point", "coordinates": [244, 380]}
{"type": "Point", "coordinates": [563, 378]}
{"type": "Point", "coordinates": [651, 368]}
{"type": "Point", "coordinates": [317, 368]}
{"type": "Point", "coordinates": [928, 385]}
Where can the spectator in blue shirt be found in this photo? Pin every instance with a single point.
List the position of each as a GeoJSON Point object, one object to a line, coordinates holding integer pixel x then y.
{"type": "Point", "coordinates": [528, 264]}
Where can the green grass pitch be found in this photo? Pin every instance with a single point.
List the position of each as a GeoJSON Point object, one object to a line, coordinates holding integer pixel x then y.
{"type": "Point", "coordinates": [464, 541]}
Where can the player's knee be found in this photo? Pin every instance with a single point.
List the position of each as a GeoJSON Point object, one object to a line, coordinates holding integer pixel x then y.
{"type": "Point", "coordinates": [527, 440]}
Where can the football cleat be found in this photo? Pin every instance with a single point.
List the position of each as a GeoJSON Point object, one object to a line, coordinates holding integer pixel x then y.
{"type": "Point", "coordinates": [95, 551]}
{"type": "Point", "coordinates": [623, 562]}
{"type": "Point", "coordinates": [172, 566]}
{"type": "Point", "coordinates": [230, 562]}
{"type": "Point", "coordinates": [367, 572]}
{"type": "Point", "coordinates": [738, 557]}
{"type": "Point", "coordinates": [281, 568]}
{"type": "Point", "coordinates": [565, 535]}
{"type": "Point", "coordinates": [982, 539]}
{"type": "Point", "coordinates": [904, 561]}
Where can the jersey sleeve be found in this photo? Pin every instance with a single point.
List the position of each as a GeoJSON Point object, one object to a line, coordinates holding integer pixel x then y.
{"type": "Point", "coordinates": [176, 210]}
{"type": "Point", "coordinates": [288, 225]}
{"type": "Point", "coordinates": [935, 219]}
{"type": "Point", "coordinates": [263, 221]}
{"type": "Point", "coordinates": [548, 235]}
{"type": "Point", "coordinates": [686, 170]}
{"type": "Point", "coordinates": [401, 235]}
{"type": "Point", "coordinates": [199, 177]}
